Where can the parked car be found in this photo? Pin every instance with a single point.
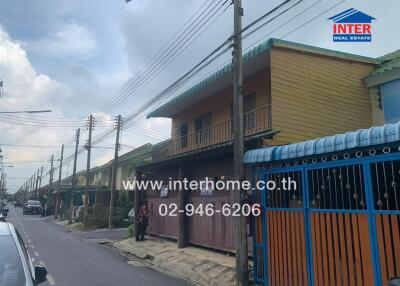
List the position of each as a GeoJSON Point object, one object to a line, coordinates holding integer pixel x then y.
{"type": "Point", "coordinates": [17, 204]}
{"type": "Point", "coordinates": [394, 281]}
{"type": "Point", "coordinates": [32, 207]}
{"type": "Point", "coordinates": [16, 265]}
{"type": "Point", "coordinates": [4, 211]}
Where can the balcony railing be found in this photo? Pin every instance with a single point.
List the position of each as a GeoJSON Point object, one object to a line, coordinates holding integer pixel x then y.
{"type": "Point", "coordinates": [254, 122]}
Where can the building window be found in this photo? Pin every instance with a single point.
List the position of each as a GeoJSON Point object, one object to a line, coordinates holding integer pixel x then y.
{"type": "Point", "coordinates": [202, 125]}
{"type": "Point", "coordinates": [249, 117]}
{"type": "Point", "coordinates": [390, 93]}
{"type": "Point", "coordinates": [249, 106]}
{"type": "Point", "coordinates": [183, 135]}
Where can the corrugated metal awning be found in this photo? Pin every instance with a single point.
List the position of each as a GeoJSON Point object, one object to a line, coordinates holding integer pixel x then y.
{"type": "Point", "coordinates": [377, 135]}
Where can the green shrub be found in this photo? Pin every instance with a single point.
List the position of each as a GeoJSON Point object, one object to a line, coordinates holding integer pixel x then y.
{"type": "Point", "coordinates": [130, 231]}
{"type": "Point", "coordinates": [100, 216]}
{"type": "Point", "coordinates": [122, 208]}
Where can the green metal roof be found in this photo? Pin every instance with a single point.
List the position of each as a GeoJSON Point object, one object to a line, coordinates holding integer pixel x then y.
{"type": "Point", "coordinates": [256, 51]}
{"type": "Point", "coordinates": [389, 62]}
{"type": "Point", "coordinates": [321, 51]}
{"type": "Point", "coordinates": [388, 70]}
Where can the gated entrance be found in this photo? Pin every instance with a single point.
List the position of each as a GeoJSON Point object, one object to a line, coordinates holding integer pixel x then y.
{"type": "Point", "coordinates": [338, 226]}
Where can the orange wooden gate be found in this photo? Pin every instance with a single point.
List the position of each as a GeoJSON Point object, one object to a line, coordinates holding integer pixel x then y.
{"type": "Point", "coordinates": [339, 226]}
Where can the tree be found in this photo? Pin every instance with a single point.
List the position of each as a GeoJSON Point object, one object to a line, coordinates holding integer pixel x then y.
{"type": "Point", "coordinates": [3, 185]}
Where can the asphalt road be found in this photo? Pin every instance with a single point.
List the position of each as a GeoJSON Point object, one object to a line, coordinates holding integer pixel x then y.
{"type": "Point", "coordinates": [76, 259]}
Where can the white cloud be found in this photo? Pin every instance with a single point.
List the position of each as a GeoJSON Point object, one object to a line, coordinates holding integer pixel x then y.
{"type": "Point", "coordinates": [71, 39]}
{"type": "Point", "coordinates": [160, 125]}
{"type": "Point", "coordinates": [105, 158]}
{"type": "Point", "coordinates": [26, 89]}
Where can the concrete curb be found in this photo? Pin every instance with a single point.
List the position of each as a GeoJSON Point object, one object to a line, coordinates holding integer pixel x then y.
{"type": "Point", "coordinates": [195, 265]}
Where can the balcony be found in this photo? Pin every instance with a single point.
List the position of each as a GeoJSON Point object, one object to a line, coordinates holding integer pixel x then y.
{"type": "Point", "coordinates": [255, 122]}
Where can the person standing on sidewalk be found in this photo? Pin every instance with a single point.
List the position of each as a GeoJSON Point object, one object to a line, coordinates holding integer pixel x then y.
{"type": "Point", "coordinates": [142, 222]}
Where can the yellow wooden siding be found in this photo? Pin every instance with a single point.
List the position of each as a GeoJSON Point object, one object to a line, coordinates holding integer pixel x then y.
{"type": "Point", "coordinates": [315, 96]}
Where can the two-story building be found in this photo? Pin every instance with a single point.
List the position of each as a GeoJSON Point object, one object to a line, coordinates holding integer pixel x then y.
{"type": "Point", "coordinates": [293, 92]}
{"type": "Point", "coordinates": [100, 179]}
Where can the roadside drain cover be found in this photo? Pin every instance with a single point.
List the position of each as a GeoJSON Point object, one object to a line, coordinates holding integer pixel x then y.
{"type": "Point", "coordinates": [135, 263]}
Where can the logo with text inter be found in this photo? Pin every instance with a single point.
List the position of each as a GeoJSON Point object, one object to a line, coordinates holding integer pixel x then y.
{"type": "Point", "coordinates": [352, 26]}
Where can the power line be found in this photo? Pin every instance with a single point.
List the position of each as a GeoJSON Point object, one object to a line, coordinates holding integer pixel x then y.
{"type": "Point", "coordinates": [272, 19]}
{"type": "Point", "coordinates": [264, 16]}
{"type": "Point", "coordinates": [147, 76]}
{"type": "Point", "coordinates": [44, 123]}
{"type": "Point", "coordinates": [165, 54]}
{"type": "Point", "coordinates": [134, 116]}
{"type": "Point", "coordinates": [312, 19]}
{"type": "Point", "coordinates": [48, 146]}
{"type": "Point", "coordinates": [161, 51]}
{"type": "Point", "coordinates": [130, 118]}
{"type": "Point", "coordinates": [109, 132]}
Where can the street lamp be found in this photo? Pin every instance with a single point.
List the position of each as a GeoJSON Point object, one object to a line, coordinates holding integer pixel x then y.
{"type": "Point", "coordinates": [7, 166]}
{"type": "Point", "coordinates": [26, 111]}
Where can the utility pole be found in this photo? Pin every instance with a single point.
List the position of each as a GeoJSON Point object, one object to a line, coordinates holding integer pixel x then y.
{"type": "Point", "coordinates": [40, 179]}
{"type": "Point", "coordinates": [1, 186]}
{"type": "Point", "coordinates": [37, 184]}
{"type": "Point", "coordinates": [240, 227]}
{"type": "Point", "coordinates": [51, 174]}
{"type": "Point", "coordinates": [71, 202]}
{"type": "Point", "coordinates": [49, 190]}
{"type": "Point", "coordinates": [57, 204]}
{"type": "Point", "coordinates": [89, 146]}
{"type": "Point", "coordinates": [34, 184]}
{"type": "Point", "coordinates": [31, 184]}
{"type": "Point", "coordinates": [114, 175]}
{"type": "Point", "coordinates": [37, 179]}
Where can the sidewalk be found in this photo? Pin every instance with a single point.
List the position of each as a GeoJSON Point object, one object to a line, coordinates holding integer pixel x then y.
{"type": "Point", "coordinates": [198, 266]}
{"type": "Point", "coordinates": [72, 227]}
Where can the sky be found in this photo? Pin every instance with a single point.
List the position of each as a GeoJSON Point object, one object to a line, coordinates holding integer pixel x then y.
{"type": "Point", "coordinates": [74, 56]}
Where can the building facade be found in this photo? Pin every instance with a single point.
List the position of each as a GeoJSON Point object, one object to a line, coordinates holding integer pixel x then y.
{"type": "Point", "coordinates": [293, 92]}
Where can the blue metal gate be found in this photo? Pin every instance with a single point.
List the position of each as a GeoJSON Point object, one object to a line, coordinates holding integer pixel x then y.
{"type": "Point", "coordinates": [339, 226]}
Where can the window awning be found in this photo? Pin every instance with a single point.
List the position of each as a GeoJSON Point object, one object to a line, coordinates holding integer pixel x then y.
{"type": "Point", "coordinates": [376, 135]}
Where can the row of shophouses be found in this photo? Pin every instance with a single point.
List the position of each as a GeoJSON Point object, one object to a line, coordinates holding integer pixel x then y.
{"type": "Point", "coordinates": [300, 104]}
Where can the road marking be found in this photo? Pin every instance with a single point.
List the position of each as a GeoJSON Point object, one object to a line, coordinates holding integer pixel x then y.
{"type": "Point", "coordinates": [36, 253]}
{"type": "Point", "coordinates": [50, 279]}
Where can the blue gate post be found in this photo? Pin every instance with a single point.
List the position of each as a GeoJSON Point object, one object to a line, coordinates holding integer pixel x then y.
{"type": "Point", "coordinates": [260, 175]}
{"type": "Point", "coordinates": [376, 266]}
{"type": "Point", "coordinates": [253, 221]}
{"type": "Point", "coordinates": [307, 219]}
{"type": "Point", "coordinates": [264, 223]}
